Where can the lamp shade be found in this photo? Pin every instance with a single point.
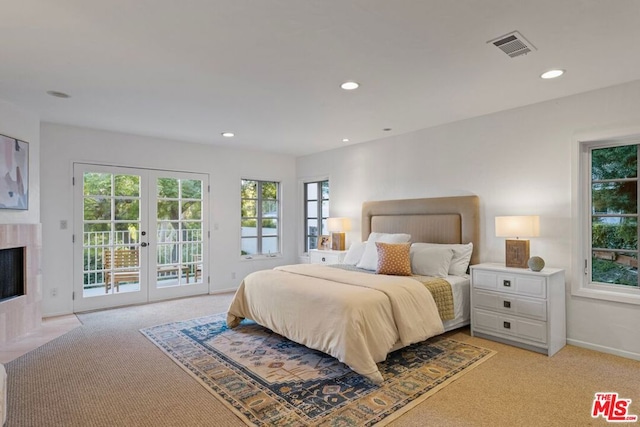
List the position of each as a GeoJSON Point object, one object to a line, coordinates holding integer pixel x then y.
{"type": "Point", "coordinates": [518, 226]}
{"type": "Point", "coordinates": [338, 225]}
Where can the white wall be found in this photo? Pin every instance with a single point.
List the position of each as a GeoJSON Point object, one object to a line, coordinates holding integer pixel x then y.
{"type": "Point", "coordinates": [518, 162]}
{"type": "Point", "coordinates": [20, 124]}
{"type": "Point", "coordinates": [63, 145]}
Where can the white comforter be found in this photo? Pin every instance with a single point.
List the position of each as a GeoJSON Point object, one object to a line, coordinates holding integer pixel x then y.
{"type": "Point", "coordinates": [355, 317]}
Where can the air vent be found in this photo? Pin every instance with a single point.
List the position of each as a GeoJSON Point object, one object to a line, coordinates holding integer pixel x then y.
{"type": "Point", "coordinates": [513, 44]}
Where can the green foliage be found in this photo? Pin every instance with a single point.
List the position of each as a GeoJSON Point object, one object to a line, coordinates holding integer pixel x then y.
{"type": "Point", "coordinates": [606, 271]}
{"type": "Point", "coordinates": [615, 236]}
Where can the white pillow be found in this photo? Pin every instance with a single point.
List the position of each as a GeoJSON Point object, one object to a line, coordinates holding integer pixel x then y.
{"type": "Point", "coordinates": [461, 256]}
{"type": "Point", "coordinates": [369, 260]}
{"type": "Point", "coordinates": [430, 260]}
{"type": "Point", "coordinates": [354, 254]}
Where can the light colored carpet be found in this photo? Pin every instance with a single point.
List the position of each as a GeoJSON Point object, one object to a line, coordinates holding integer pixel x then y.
{"type": "Point", "coordinates": [105, 373]}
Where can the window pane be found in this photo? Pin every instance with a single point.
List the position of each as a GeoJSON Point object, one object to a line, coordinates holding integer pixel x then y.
{"type": "Point", "coordinates": [249, 189]}
{"type": "Point", "coordinates": [191, 189]}
{"type": "Point", "coordinates": [191, 231]}
{"type": "Point", "coordinates": [126, 233]}
{"type": "Point", "coordinates": [313, 242]}
{"type": "Point", "coordinates": [615, 268]}
{"type": "Point", "coordinates": [97, 208]}
{"type": "Point", "coordinates": [168, 188]}
{"type": "Point", "coordinates": [249, 227]}
{"type": "Point", "coordinates": [325, 208]}
{"type": "Point", "coordinates": [312, 190]}
{"type": "Point", "coordinates": [96, 233]}
{"type": "Point", "coordinates": [324, 227]}
{"type": "Point", "coordinates": [168, 209]}
{"type": "Point", "coordinates": [249, 209]}
{"type": "Point", "coordinates": [312, 227]}
{"type": "Point", "coordinates": [614, 162]}
{"type": "Point", "coordinates": [269, 227]}
{"type": "Point", "coordinates": [97, 184]}
{"type": "Point", "coordinates": [614, 197]}
{"type": "Point", "coordinates": [312, 209]}
{"type": "Point", "coordinates": [127, 185]}
{"type": "Point", "coordinates": [325, 190]}
{"type": "Point", "coordinates": [270, 209]}
{"type": "Point", "coordinates": [127, 210]}
{"type": "Point", "coordinates": [191, 210]}
{"type": "Point", "coordinates": [614, 233]}
{"type": "Point", "coordinates": [249, 246]}
{"type": "Point", "coordinates": [167, 231]}
{"type": "Point", "coordinates": [270, 190]}
{"type": "Point", "coordinates": [270, 245]}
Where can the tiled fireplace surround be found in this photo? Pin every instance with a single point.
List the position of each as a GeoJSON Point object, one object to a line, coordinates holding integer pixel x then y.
{"type": "Point", "coordinates": [23, 314]}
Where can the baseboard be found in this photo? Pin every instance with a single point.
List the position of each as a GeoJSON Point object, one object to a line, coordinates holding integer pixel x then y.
{"type": "Point", "coordinates": [222, 291]}
{"type": "Point", "coordinates": [603, 349]}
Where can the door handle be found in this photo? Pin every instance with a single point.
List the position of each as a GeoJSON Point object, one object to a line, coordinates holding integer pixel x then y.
{"type": "Point", "coordinates": [143, 244]}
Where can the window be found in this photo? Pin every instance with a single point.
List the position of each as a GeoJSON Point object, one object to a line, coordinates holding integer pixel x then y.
{"type": "Point", "coordinates": [316, 211]}
{"type": "Point", "coordinates": [609, 215]}
{"type": "Point", "coordinates": [260, 221]}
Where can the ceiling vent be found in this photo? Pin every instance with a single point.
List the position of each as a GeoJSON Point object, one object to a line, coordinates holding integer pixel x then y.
{"type": "Point", "coordinates": [513, 44]}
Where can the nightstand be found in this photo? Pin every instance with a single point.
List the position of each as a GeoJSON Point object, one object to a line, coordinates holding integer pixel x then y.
{"type": "Point", "coordinates": [317, 256]}
{"type": "Point", "coordinates": [519, 307]}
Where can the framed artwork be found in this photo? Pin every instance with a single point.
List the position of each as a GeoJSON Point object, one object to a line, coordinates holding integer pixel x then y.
{"type": "Point", "coordinates": [324, 242]}
{"type": "Point", "coordinates": [14, 173]}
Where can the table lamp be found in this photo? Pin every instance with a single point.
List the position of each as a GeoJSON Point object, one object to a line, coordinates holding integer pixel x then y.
{"type": "Point", "coordinates": [517, 251]}
{"type": "Point", "coordinates": [337, 228]}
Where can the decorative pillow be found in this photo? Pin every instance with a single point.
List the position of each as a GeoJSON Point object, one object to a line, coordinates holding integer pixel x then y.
{"type": "Point", "coordinates": [369, 260]}
{"type": "Point", "coordinates": [394, 259]}
{"type": "Point", "coordinates": [461, 256]}
{"type": "Point", "coordinates": [430, 261]}
{"type": "Point", "coordinates": [354, 254]}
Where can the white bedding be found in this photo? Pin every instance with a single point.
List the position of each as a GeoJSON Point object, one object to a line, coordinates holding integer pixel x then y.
{"type": "Point", "coordinates": [460, 287]}
{"type": "Point", "coordinates": [355, 317]}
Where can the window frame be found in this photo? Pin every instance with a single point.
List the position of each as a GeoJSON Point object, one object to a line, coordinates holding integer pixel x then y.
{"type": "Point", "coordinates": [318, 212]}
{"type": "Point", "coordinates": [259, 217]}
{"type": "Point", "coordinates": [582, 285]}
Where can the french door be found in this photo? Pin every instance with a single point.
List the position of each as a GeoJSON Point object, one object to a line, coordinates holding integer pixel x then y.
{"type": "Point", "coordinates": [140, 235]}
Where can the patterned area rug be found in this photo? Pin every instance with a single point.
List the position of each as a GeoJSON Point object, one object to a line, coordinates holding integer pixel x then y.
{"type": "Point", "coordinates": [268, 380]}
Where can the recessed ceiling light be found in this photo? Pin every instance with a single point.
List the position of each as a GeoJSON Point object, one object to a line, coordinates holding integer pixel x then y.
{"type": "Point", "coordinates": [228, 134]}
{"type": "Point", "coordinates": [349, 85]}
{"type": "Point", "coordinates": [551, 74]}
{"type": "Point", "coordinates": [345, 139]}
{"type": "Point", "coordinates": [58, 94]}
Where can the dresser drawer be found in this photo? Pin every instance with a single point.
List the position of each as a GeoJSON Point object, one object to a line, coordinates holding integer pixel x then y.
{"type": "Point", "coordinates": [533, 286]}
{"type": "Point", "coordinates": [325, 257]}
{"type": "Point", "coordinates": [510, 304]}
{"type": "Point", "coordinates": [510, 326]}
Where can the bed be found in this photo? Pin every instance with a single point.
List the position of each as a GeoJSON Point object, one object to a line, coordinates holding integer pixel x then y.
{"type": "Point", "coordinates": [357, 317]}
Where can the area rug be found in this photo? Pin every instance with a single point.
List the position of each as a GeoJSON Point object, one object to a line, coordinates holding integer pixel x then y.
{"type": "Point", "coordinates": [267, 380]}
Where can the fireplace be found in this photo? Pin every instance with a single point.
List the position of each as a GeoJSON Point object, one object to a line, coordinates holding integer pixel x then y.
{"type": "Point", "coordinates": [11, 272]}
{"type": "Point", "coordinates": [21, 294]}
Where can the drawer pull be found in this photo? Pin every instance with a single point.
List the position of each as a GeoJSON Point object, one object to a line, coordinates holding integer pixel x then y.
{"type": "Point", "coordinates": [506, 304]}
{"type": "Point", "coordinates": [506, 283]}
{"type": "Point", "coordinates": [507, 325]}
{"type": "Point", "coordinates": [324, 259]}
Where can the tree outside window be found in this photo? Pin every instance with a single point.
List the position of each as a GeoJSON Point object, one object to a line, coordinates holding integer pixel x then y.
{"type": "Point", "coordinates": [260, 222]}
{"type": "Point", "coordinates": [614, 215]}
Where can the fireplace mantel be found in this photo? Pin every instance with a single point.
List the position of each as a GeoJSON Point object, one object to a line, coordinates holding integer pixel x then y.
{"type": "Point", "coordinates": [23, 314]}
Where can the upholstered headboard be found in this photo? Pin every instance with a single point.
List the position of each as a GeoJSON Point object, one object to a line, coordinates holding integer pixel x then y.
{"type": "Point", "coordinates": [434, 220]}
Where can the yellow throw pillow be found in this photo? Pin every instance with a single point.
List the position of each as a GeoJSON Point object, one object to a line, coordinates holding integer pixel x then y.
{"type": "Point", "coordinates": [394, 259]}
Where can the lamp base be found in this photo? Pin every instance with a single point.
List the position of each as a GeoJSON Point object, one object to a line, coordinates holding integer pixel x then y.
{"type": "Point", "coordinates": [338, 241]}
{"type": "Point", "coordinates": [517, 253]}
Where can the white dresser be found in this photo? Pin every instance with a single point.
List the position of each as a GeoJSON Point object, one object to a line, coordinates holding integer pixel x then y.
{"type": "Point", "coordinates": [520, 307]}
{"type": "Point", "coordinates": [317, 256]}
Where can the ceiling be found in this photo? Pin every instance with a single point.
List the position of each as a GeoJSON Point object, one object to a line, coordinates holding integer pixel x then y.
{"type": "Point", "coordinates": [270, 70]}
